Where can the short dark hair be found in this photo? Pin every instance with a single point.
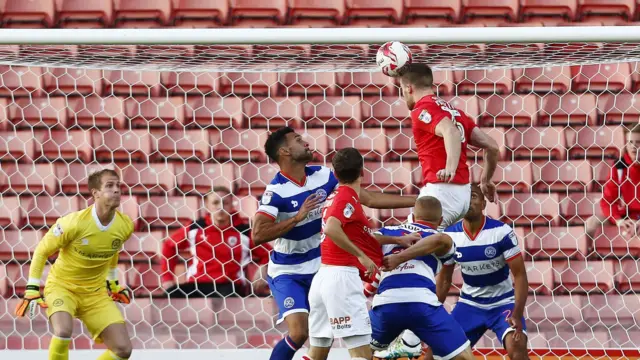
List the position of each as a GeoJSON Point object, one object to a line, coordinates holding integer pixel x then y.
{"type": "Point", "coordinates": [419, 75]}
{"type": "Point", "coordinates": [275, 141]}
{"type": "Point", "coordinates": [475, 187]}
{"type": "Point", "coordinates": [95, 178]}
{"type": "Point", "coordinates": [347, 165]}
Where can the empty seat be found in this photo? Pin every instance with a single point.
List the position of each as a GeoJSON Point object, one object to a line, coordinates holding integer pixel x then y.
{"type": "Point", "coordinates": [18, 245]}
{"type": "Point", "coordinates": [373, 12]}
{"type": "Point", "coordinates": [498, 81]}
{"type": "Point", "coordinates": [95, 111]}
{"type": "Point", "coordinates": [604, 310]}
{"type": "Point", "coordinates": [402, 146]}
{"type": "Point", "coordinates": [540, 276]}
{"type": "Point", "coordinates": [30, 178]}
{"type": "Point", "coordinates": [549, 8]}
{"type": "Point", "coordinates": [122, 145]}
{"type": "Point", "coordinates": [254, 178]}
{"type": "Point", "coordinates": [509, 177]}
{"type": "Point", "coordinates": [238, 145]}
{"type": "Point", "coordinates": [39, 112]}
{"type": "Point", "coordinates": [132, 83]}
{"type": "Point", "coordinates": [419, 11]}
{"type": "Point", "coordinates": [542, 143]}
{"type": "Point", "coordinates": [20, 80]}
{"type": "Point", "coordinates": [73, 177]}
{"type": "Point", "coordinates": [182, 145]}
{"type": "Point", "coordinates": [623, 9]}
{"type": "Point", "coordinates": [149, 178]}
{"type": "Point", "coordinates": [142, 13]}
{"type": "Point", "coordinates": [318, 142]}
{"type": "Point", "coordinates": [531, 209]}
{"type": "Point", "coordinates": [28, 14]}
{"type": "Point", "coordinates": [388, 177]}
{"type": "Point", "coordinates": [469, 104]}
{"type": "Point", "coordinates": [258, 13]}
{"type": "Point", "coordinates": [616, 243]}
{"type": "Point", "coordinates": [442, 80]}
{"type": "Point", "coordinates": [201, 178]}
{"type": "Point", "coordinates": [316, 12]}
{"type": "Point", "coordinates": [511, 110]}
{"type": "Point", "coordinates": [45, 210]}
{"type": "Point", "coordinates": [190, 83]}
{"type": "Point", "coordinates": [200, 13]}
{"type": "Point", "coordinates": [508, 9]}
{"type": "Point", "coordinates": [602, 77]}
{"type": "Point", "coordinates": [390, 217]}
{"type": "Point", "coordinates": [256, 83]}
{"type": "Point", "coordinates": [17, 145]}
{"type": "Point", "coordinates": [129, 206]}
{"type": "Point", "coordinates": [63, 81]}
{"type": "Point", "coordinates": [559, 242]}
{"type": "Point", "coordinates": [562, 176]}
{"type": "Point", "coordinates": [155, 112]}
{"type": "Point", "coordinates": [386, 111]}
{"type": "Point", "coordinates": [595, 142]}
{"type": "Point", "coordinates": [372, 143]}
{"type": "Point", "coordinates": [310, 83]}
{"type": "Point", "coordinates": [543, 79]}
{"type": "Point", "coordinates": [553, 312]}
{"type": "Point", "coordinates": [212, 111]}
{"type": "Point", "coordinates": [11, 212]}
{"type": "Point", "coordinates": [576, 208]}
{"type": "Point", "coordinates": [144, 280]}
{"type": "Point", "coordinates": [71, 145]}
{"type": "Point", "coordinates": [94, 13]}
{"type": "Point", "coordinates": [163, 212]}
{"type": "Point", "coordinates": [619, 109]}
{"type": "Point", "coordinates": [568, 109]}
{"type": "Point", "coordinates": [330, 111]}
{"type": "Point", "coordinates": [584, 276]}
{"type": "Point", "coordinates": [628, 276]}
{"type": "Point", "coordinates": [272, 112]}
{"type": "Point", "coordinates": [365, 83]}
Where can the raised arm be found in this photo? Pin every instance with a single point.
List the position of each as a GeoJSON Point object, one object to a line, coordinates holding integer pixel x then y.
{"type": "Point", "coordinates": [438, 244]}
{"type": "Point", "coordinates": [491, 152]}
{"type": "Point", "coordinates": [378, 200]}
{"type": "Point", "coordinates": [453, 145]}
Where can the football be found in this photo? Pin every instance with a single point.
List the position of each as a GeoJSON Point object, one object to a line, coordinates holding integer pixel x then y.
{"type": "Point", "coordinates": [393, 58]}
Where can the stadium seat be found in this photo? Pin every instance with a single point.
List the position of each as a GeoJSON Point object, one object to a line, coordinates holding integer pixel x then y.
{"type": "Point", "coordinates": [612, 242]}
{"type": "Point", "coordinates": [144, 280]}
{"type": "Point", "coordinates": [497, 134]}
{"type": "Point", "coordinates": [305, 84]}
{"type": "Point", "coordinates": [318, 141]}
{"type": "Point", "coordinates": [601, 173]}
{"type": "Point", "coordinates": [122, 146]}
{"type": "Point", "coordinates": [71, 145]}
{"type": "Point", "coordinates": [373, 12]}
{"type": "Point", "coordinates": [543, 79]}
{"type": "Point", "coordinates": [318, 13]}
{"type": "Point", "coordinates": [531, 209]}
{"type": "Point", "coordinates": [199, 13]}
{"type": "Point", "coordinates": [17, 145]}
{"type": "Point", "coordinates": [561, 242]}
{"type": "Point", "coordinates": [603, 310]}
{"type": "Point", "coordinates": [142, 246]}
{"type": "Point", "coordinates": [142, 13]}
{"type": "Point", "coordinates": [131, 83]}
{"type": "Point", "coordinates": [365, 84]}
{"type": "Point", "coordinates": [254, 178]}
{"type": "Point", "coordinates": [29, 178]}
{"type": "Point", "coordinates": [489, 81]}
{"type": "Point", "coordinates": [261, 14]}
{"type": "Point", "coordinates": [251, 84]}
{"type": "Point", "coordinates": [238, 145]}
{"type": "Point", "coordinates": [419, 11]}
{"type": "Point", "coordinates": [182, 145]}
{"type": "Point", "coordinates": [155, 112]}
{"type": "Point", "coordinates": [20, 81]}
{"type": "Point", "coordinates": [272, 112]}
{"type": "Point", "coordinates": [623, 9]}
{"type": "Point", "coordinates": [619, 109]}
{"type": "Point", "coordinates": [390, 177]}
{"type": "Point", "coordinates": [18, 245]}
{"type": "Point", "coordinates": [628, 276]}
{"type": "Point", "coordinates": [555, 312]}
{"type": "Point", "coordinates": [509, 111]}
{"type": "Point", "coordinates": [594, 142]}
{"type": "Point", "coordinates": [583, 276]}
{"type": "Point", "coordinates": [45, 210]}
{"type": "Point", "coordinates": [165, 212]}
{"type": "Point", "coordinates": [572, 339]}
{"type": "Point", "coordinates": [11, 210]}
{"type": "Point", "coordinates": [197, 178]}
{"type": "Point", "coordinates": [401, 145]}
{"type": "Point", "coordinates": [509, 177]}
{"type": "Point", "coordinates": [561, 176]}
{"type": "Point", "coordinates": [599, 78]}
{"type": "Point", "coordinates": [372, 143]}
{"type": "Point", "coordinates": [469, 104]}
{"type": "Point", "coordinates": [62, 81]}
{"type": "Point", "coordinates": [190, 83]}
{"type": "Point", "coordinates": [28, 14]}
{"type": "Point", "coordinates": [540, 276]}
{"type": "Point", "coordinates": [38, 112]}
{"type": "Point", "coordinates": [245, 312]}
{"type": "Point", "coordinates": [543, 143]}
{"type": "Point", "coordinates": [247, 206]}
{"type": "Point", "coordinates": [85, 13]}
{"type": "Point", "coordinates": [153, 179]}
{"type": "Point", "coordinates": [213, 111]}
{"type": "Point", "coordinates": [331, 111]}
{"type": "Point", "coordinates": [507, 9]}
{"type": "Point", "coordinates": [576, 208]}
{"type": "Point", "coordinates": [567, 110]}
{"type": "Point", "coordinates": [443, 80]}
{"type": "Point", "coordinates": [385, 111]}
{"type": "Point", "coordinates": [94, 111]}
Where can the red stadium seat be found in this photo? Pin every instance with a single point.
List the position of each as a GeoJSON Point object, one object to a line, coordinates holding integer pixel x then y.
{"type": "Point", "coordinates": [628, 276]}
{"type": "Point", "coordinates": [71, 145]}
{"type": "Point", "coordinates": [543, 79]}
{"type": "Point", "coordinates": [619, 109]}
{"type": "Point", "coordinates": [330, 111]}
{"type": "Point", "coordinates": [245, 312]}
{"type": "Point", "coordinates": [39, 112]}
{"type": "Point", "coordinates": [552, 312]}
{"type": "Point", "coordinates": [122, 145]}
{"type": "Point", "coordinates": [318, 83]}
{"type": "Point", "coordinates": [29, 178]}
{"type": "Point", "coordinates": [391, 217]}
{"type": "Point", "coordinates": [132, 83]}
{"type": "Point", "coordinates": [577, 208]}
{"type": "Point", "coordinates": [510, 176]}
{"type": "Point", "coordinates": [365, 83]}
{"type": "Point", "coordinates": [238, 145]}
{"type": "Point", "coordinates": [247, 206]}
{"type": "Point", "coordinates": [595, 142]}
{"type": "Point", "coordinates": [129, 206]}
{"type": "Point", "coordinates": [213, 111]}
{"type": "Point", "coordinates": [511, 110]}
{"type": "Point", "coordinates": [200, 13]}
{"type": "Point", "coordinates": [254, 178]}
{"type": "Point", "coordinates": [601, 173]}
{"type": "Point", "coordinates": [318, 141]}
{"type": "Point", "coordinates": [249, 83]}
{"type": "Point", "coordinates": [190, 83]}
{"type": "Point", "coordinates": [144, 279]}
{"type": "Point", "coordinates": [73, 177]}
{"type": "Point", "coordinates": [28, 14]}
{"type": "Point", "coordinates": [62, 81]}
{"type": "Point", "coordinates": [557, 243]}
{"type": "Point", "coordinates": [612, 242]}
{"type": "Point", "coordinates": [542, 143]}
{"type": "Point", "coordinates": [601, 77]}
{"type": "Point", "coordinates": [247, 12]}
{"type": "Point", "coordinates": [531, 209]}
{"type": "Point", "coordinates": [540, 276]}
{"type": "Point", "coordinates": [199, 178]}
{"type": "Point", "coordinates": [602, 310]}
{"type": "Point", "coordinates": [623, 9]}
{"type": "Point", "coordinates": [182, 145]}
{"type": "Point", "coordinates": [584, 276]}
{"type": "Point", "coordinates": [95, 111]}
{"type": "Point", "coordinates": [561, 176]}
{"type": "Point", "coordinates": [316, 12]}
{"type": "Point", "coordinates": [402, 146]}
{"type": "Point", "coordinates": [17, 145]}
{"type": "Point", "coordinates": [385, 111]}
{"type": "Point", "coordinates": [377, 12]}
{"type": "Point", "coordinates": [548, 8]}
{"type": "Point", "coordinates": [443, 81]}
{"type": "Point", "coordinates": [142, 13]}
{"type": "Point", "coordinates": [11, 211]}
{"type": "Point", "coordinates": [18, 245]}
{"type": "Point", "coordinates": [496, 134]}
{"type": "Point", "coordinates": [272, 112]}
{"type": "Point", "coordinates": [372, 143]}
{"type": "Point", "coordinates": [155, 112]}
{"type": "Point", "coordinates": [20, 80]}
{"type": "Point", "coordinates": [45, 210]}
{"type": "Point", "coordinates": [484, 81]}
{"type": "Point", "coordinates": [155, 179]}
{"type": "Point", "coordinates": [419, 11]}
{"type": "Point", "coordinates": [162, 212]}
{"type": "Point", "coordinates": [94, 13]}
{"type": "Point", "coordinates": [507, 9]}
{"type": "Point", "coordinates": [388, 177]}
{"type": "Point", "coordinates": [469, 104]}
{"type": "Point", "coordinates": [569, 109]}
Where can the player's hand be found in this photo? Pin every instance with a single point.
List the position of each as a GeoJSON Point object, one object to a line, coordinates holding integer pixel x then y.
{"type": "Point", "coordinates": [516, 323]}
{"type": "Point", "coordinates": [118, 293]}
{"type": "Point", "coordinates": [446, 175]}
{"type": "Point", "coordinates": [30, 301]}
{"type": "Point", "coordinates": [628, 226]}
{"type": "Point", "coordinates": [390, 262]}
{"type": "Point", "coordinates": [489, 191]}
{"type": "Point", "coordinates": [371, 288]}
{"type": "Point", "coordinates": [369, 265]}
{"type": "Point", "coordinates": [409, 239]}
{"type": "Point", "coordinates": [312, 202]}
{"type": "Point", "coordinates": [166, 285]}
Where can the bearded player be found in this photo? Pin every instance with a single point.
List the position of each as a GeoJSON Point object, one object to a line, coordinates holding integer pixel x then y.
{"type": "Point", "coordinates": [88, 242]}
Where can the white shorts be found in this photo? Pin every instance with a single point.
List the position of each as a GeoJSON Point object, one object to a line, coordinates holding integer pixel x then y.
{"type": "Point", "coordinates": [455, 199]}
{"type": "Point", "coordinates": [338, 305]}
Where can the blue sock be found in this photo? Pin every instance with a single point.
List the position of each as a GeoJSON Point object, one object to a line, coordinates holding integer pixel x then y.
{"type": "Point", "coordinates": [284, 350]}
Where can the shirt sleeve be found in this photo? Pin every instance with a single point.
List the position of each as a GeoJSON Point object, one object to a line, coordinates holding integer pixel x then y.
{"type": "Point", "coordinates": [270, 204]}
{"type": "Point", "coordinates": [449, 259]}
{"type": "Point", "coordinates": [509, 245]}
{"type": "Point", "coordinates": [343, 210]}
{"type": "Point", "coordinates": [611, 198]}
{"type": "Point", "coordinates": [58, 236]}
{"type": "Point", "coordinates": [426, 118]}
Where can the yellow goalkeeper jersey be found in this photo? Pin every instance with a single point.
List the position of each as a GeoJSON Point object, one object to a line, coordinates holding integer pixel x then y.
{"type": "Point", "coordinates": [87, 250]}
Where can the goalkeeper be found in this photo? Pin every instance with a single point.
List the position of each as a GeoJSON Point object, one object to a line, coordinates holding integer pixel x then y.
{"type": "Point", "coordinates": [88, 242]}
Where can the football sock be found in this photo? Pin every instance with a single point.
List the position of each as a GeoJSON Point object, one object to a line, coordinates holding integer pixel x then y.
{"type": "Point", "coordinates": [306, 357]}
{"type": "Point", "coordinates": [59, 348]}
{"type": "Point", "coordinates": [410, 339]}
{"type": "Point", "coordinates": [109, 355]}
{"type": "Point", "coordinates": [284, 350]}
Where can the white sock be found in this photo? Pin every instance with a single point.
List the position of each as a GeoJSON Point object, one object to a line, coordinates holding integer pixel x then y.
{"type": "Point", "coordinates": [410, 339]}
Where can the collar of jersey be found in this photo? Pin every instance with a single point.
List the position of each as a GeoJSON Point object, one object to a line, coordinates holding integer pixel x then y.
{"type": "Point", "coordinates": [94, 213]}
{"type": "Point", "coordinates": [424, 223]}
{"type": "Point", "coordinates": [471, 236]}
{"type": "Point", "coordinates": [294, 181]}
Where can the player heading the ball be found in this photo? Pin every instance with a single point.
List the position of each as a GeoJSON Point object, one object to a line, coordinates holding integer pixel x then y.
{"type": "Point", "coordinates": [88, 242]}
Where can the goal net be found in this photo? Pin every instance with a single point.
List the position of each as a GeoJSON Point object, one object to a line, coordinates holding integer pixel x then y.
{"type": "Point", "coordinates": [180, 112]}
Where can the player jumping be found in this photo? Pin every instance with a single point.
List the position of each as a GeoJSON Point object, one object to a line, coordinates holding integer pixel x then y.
{"type": "Point", "coordinates": [486, 250]}
{"type": "Point", "coordinates": [88, 242]}
{"type": "Point", "coordinates": [406, 296]}
{"type": "Point", "coordinates": [290, 213]}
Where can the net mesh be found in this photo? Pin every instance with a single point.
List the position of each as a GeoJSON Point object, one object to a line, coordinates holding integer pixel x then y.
{"type": "Point", "coordinates": [175, 134]}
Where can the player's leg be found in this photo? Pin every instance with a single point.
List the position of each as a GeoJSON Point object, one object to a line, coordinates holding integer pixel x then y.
{"type": "Point", "coordinates": [105, 323]}
{"type": "Point", "coordinates": [517, 350]}
{"type": "Point", "coordinates": [62, 308]}
{"type": "Point", "coordinates": [320, 334]}
{"type": "Point", "coordinates": [387, 322]}
{"type": "Point", "coordinates": [472, 320]}
{"type": "Point", "coordinates": [436, 327]}
{"type": "Point", "coordinates": [116, 338]}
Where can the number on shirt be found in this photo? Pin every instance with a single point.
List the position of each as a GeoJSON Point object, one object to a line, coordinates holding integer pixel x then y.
{"type": "Point", "coordinates": [453, 113]}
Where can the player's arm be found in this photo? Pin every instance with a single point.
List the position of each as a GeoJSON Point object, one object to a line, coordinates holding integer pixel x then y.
{"type": "Point", "coordinates": [452, 144]}
{"type": "Point", "coordinates": [521, 284]}
{"type": "Point", "coordinates": [491, 151]}
{"type": "Point", "coordinates": [444, 279]}
{"type": "Point", "coordinates": [437, 244]}
{"type": "Point", "coordinates": [405, 240]}
{"type": "Point", "coordinates": [333, 229]}
{"type": "Point", "coordinates": [117, 291]}
{"type": "Point", "coordinates": [378, 200]}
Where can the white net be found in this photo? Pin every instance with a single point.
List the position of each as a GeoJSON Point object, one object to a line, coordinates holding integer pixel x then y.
{"type": "Point", "coordinates": [198, 115]}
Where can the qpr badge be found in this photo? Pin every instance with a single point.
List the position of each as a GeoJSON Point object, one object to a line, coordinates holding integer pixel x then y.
{"type": "Point", "coordinates": [348, 211]}
{"type": "Point", "coordinates": [266, 197]}
{"type": "Point", "coordinates": [490, 252]}
{"type": "Point", "coordinates": [320, 193]}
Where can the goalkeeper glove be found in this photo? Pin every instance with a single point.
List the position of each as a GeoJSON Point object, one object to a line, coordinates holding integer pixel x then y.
{"type": "Point", "coordinates": [118, 293]}
{"type": "Point", "coordinates": [31, 300]}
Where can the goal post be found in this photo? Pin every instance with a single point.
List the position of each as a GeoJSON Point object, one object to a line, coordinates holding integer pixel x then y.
{"type": "Point", "coordinates": [180, 111]}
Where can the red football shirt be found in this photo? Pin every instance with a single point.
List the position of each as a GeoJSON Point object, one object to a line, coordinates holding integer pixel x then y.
{"type": "Point", "coordinates": [425, 116]}
{"type": "Point", "coordinates": [344, 205]}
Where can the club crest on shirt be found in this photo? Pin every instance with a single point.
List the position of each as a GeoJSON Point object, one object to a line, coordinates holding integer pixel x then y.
{"type": "Point", "coordinates": [514, 239]}
{"type": "Point", "coordinates": [425, 116]}
{"type": "Point", "coordinates": [115, 244]}
{"type": "Point", "coordinates": [348, 211]}
{"type": "Point", "coordinates": [490, 252]}
{"type": "Point", "coordinates": [232, 240]}
{"type": "Point", "coordinates": [321, 194]}
{"type": "Point", "coordinates": [266, 197]}
{"type": "Point", "coordinates": [57, 230]}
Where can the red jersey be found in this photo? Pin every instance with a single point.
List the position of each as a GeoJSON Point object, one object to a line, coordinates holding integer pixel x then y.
{"type": "Point", "coordinates": [621, 193]}
{"type": "Point", "coordinates": [425, 116]}
{"type": "Point", "coordinates": [344, 205]}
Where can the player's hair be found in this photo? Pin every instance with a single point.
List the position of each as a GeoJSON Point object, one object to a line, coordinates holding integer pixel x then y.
{"type": "Point", "coordinates": [476, 187]}
{"type": "Point", "coordinates": [275, 141]}
{"type": "Point", "coordinates": [217, 189]}
{"type": "Point", "coordinates": [428, 208]}
{"type": "Point", "coordinates": [348, 165]}
{"type": "Point", "coordinates": [95, 178]}
{"type": "Point", "coordinates": [419, 75]}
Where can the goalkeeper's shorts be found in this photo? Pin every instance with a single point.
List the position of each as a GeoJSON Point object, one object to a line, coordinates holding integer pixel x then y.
{"type": "Point", "coordinates": [97, 310]}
